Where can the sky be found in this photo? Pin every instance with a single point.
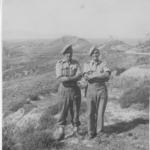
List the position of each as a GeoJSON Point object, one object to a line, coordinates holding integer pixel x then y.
{"type": "Point", "coordinates": [83, 18]}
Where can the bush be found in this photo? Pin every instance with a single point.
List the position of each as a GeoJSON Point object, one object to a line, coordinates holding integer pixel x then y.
{"type": "Point", "coordinates": [47, 121]}
{"type": "Point", "coordinates": [7, 137]}
{"type": "Point", "coordinates": [135, 95]}
{"type": "Point", "coordinates": [14, 106]}
{"type": "Point", "coordinates": [37, 140]}
{"type": "Point", "coordinates": [142, 60]}
{"type": "Point", "coordinates": [20, 90]}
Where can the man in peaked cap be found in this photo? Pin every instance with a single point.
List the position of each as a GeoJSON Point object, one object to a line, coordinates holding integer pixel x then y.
{"type": "Point", "coordinates": [96, 73]}
{"type": "Point", "coordinates": [68, 72]}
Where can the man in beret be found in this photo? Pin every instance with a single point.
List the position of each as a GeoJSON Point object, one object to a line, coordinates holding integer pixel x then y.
{"type": "Point", "coordinates": [68, 72]}
{"type": "Point", "coordinates": [96, 73]}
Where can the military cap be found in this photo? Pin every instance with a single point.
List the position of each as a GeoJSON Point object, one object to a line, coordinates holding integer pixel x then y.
{"type": "Point", "coordinates": [92, 50]}
{"type": "Point", "coordinates": [67, 48]}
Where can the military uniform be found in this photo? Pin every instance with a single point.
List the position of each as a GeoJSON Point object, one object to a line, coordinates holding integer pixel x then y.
{"type": "Point", "coordinates": [69, 92]}
{"type": "Point", "coordinates": [96, 95]}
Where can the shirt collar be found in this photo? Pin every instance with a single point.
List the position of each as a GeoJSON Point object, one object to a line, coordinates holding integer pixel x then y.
{"type": "Point", "coordinates": [94, 62]}
{"type": "Point", "coordinates": [64, 61]}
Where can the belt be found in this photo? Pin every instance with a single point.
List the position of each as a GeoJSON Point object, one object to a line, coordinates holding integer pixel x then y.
{"type": "Point", "coordinates": [93, 81]}
{"type": "Point", "coordinates": [69, 84]}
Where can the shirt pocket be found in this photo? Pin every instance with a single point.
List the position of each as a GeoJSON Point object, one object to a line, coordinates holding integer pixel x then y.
{"type": "Point", "coordinates": [100, 69]}
{"type": "Point", "coordinates": [65, 70]}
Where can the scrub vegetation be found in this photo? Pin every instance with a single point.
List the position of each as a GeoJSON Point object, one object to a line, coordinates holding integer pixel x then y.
{"type": "Point", "coordinates": [29, 84]}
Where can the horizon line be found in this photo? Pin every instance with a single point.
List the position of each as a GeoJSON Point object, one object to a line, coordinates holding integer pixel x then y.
{"type": "Point", "coordinates": [61, 36]}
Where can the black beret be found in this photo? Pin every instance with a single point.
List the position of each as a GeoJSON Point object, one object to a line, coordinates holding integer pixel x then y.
{"type": "Point", "coordinates": [67, 49]}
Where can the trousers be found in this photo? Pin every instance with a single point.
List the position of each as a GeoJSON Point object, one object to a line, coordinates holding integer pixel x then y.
{"type": "Point", "coordinates": [71, 97]}
{"type": "Point", "coordinates": [96, 101]}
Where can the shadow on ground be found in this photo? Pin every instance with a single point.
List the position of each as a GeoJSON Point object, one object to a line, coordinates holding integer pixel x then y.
{"type": "Point", "coordinates": [124, 126]}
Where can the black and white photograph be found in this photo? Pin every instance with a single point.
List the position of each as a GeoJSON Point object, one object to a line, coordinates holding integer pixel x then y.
{"type": "Point", "coordinates": [75, 74]}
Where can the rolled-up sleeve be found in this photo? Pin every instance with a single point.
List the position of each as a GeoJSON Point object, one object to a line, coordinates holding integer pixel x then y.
{"type": "Point", "coordinates": [58, 70]}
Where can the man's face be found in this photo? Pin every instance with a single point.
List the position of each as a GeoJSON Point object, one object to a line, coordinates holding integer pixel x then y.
{"type": "Point", "coordinates": [95, 55]}
{"type": "Point", "coordinates": [68, 56]}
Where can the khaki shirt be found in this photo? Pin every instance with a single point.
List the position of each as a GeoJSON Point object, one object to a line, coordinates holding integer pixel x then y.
{"type": "Point", "coordinates": [96, 68]}
{"type": "Point", "coordinates": [68, 69]}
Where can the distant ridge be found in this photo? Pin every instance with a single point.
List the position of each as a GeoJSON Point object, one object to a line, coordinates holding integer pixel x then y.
{"type": "Point", "coordinates": [114, 45]}
{"type": "Point", "coordinates": [77, 42]}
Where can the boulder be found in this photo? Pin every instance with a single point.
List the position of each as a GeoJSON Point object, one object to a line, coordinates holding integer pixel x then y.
{"type": "Point", "coordinates": [141, 72]}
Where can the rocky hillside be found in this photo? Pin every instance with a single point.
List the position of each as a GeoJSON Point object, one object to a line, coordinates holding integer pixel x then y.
{"type": "Point", "coordinates": [33, 125]}
{"type": "Point", "coordinates": [144, 46]}
{"type": "Point", "coordinates": [31, 105]}
{"type": "Point", "coordinates": [114, 45]}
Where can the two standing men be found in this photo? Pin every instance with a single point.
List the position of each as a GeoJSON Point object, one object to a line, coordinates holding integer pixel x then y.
{"type": "Point", "coordinates": [96, 73]}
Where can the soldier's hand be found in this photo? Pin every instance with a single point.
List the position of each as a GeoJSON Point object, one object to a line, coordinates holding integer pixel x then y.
{"type": "Point", "coordinates": [90, 76]}
{"type": "Point", "coordinates": [95, 75]}
{"type": "Point", "coordinates": [80, 75]}
{"type": "Point", "coordinates": [86, 77]}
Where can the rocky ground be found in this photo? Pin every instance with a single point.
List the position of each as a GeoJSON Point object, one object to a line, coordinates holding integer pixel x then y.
{"type": "Point", "coordinates": [31, 106]}
{"type": "Point", "coordinates": [125, 129]}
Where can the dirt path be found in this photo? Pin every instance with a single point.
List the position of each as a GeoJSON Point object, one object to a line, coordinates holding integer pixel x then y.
{"type": "Point", "coordinates": [123, 126]}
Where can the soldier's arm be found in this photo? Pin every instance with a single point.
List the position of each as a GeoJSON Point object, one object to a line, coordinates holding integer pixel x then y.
{"type": "Point", "coordinates": [104, 75]}
{"type": "Point", "coordinates": [75, 77]}
{"type": "Point", "coordinates": [86, 71]}
{"type": "Point", "coordinates": [78, 74]}
{"type": "Point", "coordinates": [59, 75]}
{"type": "Point", "coordinates": [63, 79]}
